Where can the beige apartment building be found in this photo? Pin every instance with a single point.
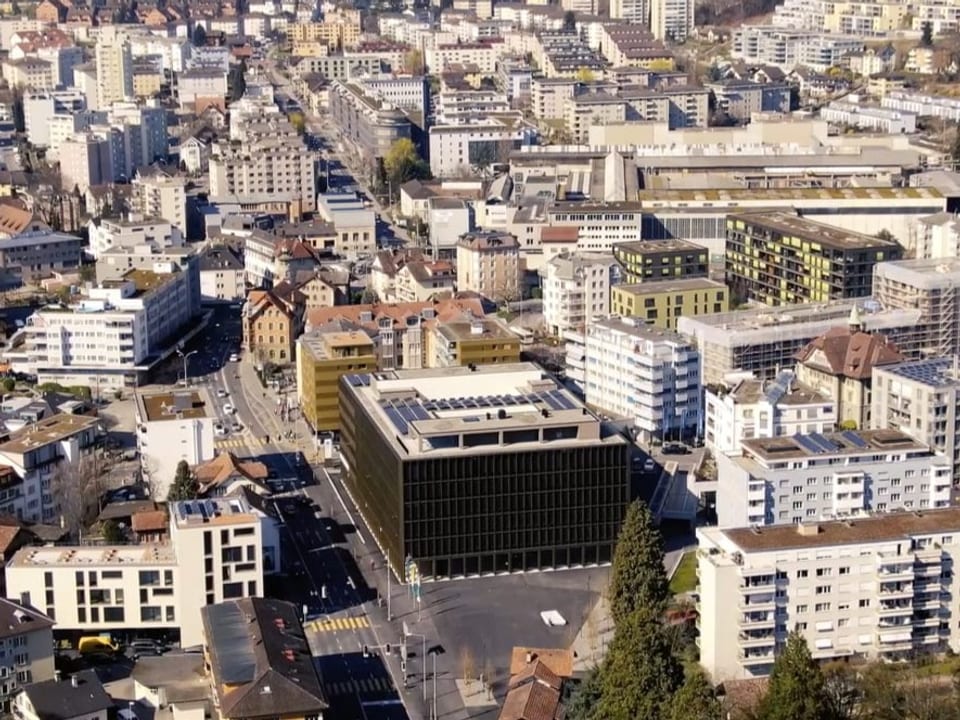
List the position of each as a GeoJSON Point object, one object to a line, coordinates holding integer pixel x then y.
{"type": "Point", "coordinates": [489, 264]}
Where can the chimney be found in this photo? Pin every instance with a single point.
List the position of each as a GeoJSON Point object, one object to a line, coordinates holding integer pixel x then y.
{"type": "Point", "coordinates": [529, 658]}
{"type": "Point", "coordinates": [75, 681]}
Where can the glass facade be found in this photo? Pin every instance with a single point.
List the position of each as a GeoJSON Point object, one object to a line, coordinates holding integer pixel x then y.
{"type": "Point", "coordinates": [481, 512]}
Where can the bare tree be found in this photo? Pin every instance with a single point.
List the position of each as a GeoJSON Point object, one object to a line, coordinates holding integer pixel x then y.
{"type": "Point", "coordinates": [468, 665]}
{"type": "Point", "coordinates": [76, 488]}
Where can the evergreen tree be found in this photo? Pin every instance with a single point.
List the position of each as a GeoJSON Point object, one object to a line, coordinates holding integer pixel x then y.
{"type": "Point", "coordinates": [583, 700]}
{"type": "Point", "coordinates": [111, 532]}
{"type": "Point", "coordinates": [695, 700]}
{"type": "Point", "coordinates": [185, 486]}
{"type": "Point", "coordinates": [639, 674]}
{"type": "Point", "coordinates": [638, 578]}
{"type": "Point", "coordinates": [796, 690]}
{"type": "Point", "coordinates": [926, 34]}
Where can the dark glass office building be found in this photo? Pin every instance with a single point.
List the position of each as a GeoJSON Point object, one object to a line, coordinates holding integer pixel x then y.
{"type": "Point", "coordinates": [519, 479]}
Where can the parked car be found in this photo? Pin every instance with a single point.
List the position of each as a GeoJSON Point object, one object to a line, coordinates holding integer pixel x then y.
{"type": "Point", "coordinates": [141, 647]}
{"type": "Point", "coordinates": [229, 409]}
{"type": "Point", "coordinates": [649, 465]}
{"type": "Point", "coordinates": [221, 393]}
{"type": "Point", "coordinates": [234, 357]}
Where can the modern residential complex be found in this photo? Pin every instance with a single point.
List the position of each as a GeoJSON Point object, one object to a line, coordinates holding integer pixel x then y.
{"type": "Point", "coordinates": [777, 258]}
{"type": "Point", "coordinates": [812, 477]}
{"type": "Point", "coordinates": [651, 260]}
{"type": "Point", "coordinates": [541, 483]}
{"type": "Point", "coordinates": [871, 588]}
{"type": "Point", "coordinates": [26, 640]}
{"type": "Point", "coordinates": [215, 553]}
{"type": "Point", "coordinates": [576, 289]}
{"type": "Point", "coordinates": [662, 303]}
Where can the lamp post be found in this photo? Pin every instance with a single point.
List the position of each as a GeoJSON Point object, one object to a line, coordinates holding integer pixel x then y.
{"type": "Point", "coordinates": [423, 656]}
{"type": "Point", "coordinates": [434, 654]}
{"type": "Point", "coordinates": [185, 358]}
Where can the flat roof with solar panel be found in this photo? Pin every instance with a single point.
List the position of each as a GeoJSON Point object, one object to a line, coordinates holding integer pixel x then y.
{"type": "Point", "coordinates": [823, 445]}
{"type": "Point", "coordinates": [934, 372]}
{"type": "Point", "coordinates": [487, 407]}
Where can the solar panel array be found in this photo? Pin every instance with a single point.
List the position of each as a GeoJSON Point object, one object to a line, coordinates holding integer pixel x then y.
{"type": "Point", "coordinates": [851, 437]}
{"type": "Point", "coordinates": [929, 372]}
{"type": "Point", "coordinates": [404, 412]}
{"type": "Point", "coordinates": [816, 443]}
{"type": "Point", "coordinates": [358, 380]}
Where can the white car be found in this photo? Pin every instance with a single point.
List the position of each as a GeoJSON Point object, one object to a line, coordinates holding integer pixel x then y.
{"type": "Point", "coordinates": [219, 429]}
{"type": "Point", "coordinates": [221, 393]}
{"type": "Point", "coordinates": [229, 409]}
{"type": "Point", "coordinates": [234, 357]}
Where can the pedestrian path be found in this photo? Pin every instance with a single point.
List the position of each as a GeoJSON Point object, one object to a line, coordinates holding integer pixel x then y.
{"type": "Point", "coordinates": [337, 624]}
{"type": "Point", "coordinates": [364, 686]}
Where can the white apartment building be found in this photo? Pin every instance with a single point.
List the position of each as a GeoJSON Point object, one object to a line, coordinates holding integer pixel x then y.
{"type": "Point", "coordinates": [456, 149]}
{"type": "Point", "coordinates": [876, 588]}
{"type": "Point", "coordinates": [145, 132]}
{"type": "Point", "coordinates": [751, 408]}
{"type": "Point", "coordinates": [354, 224]}
{"type": "Point", "coordinates": [160, 196]}
{"type": "Point", "coordinates": [132, 231]}
{"type": "Point", "coordinates": [402, 91]}
{"type": "Point", "coordinates": [35, 454]}
{"type": "Point", "coordinates": [921, 398]}
{"type": "Point", "coordinates": [850, 112]}
{"type": "Point", "coordinates": [789, 48]}
{"type": "Point", "coordinates": [807, 478]}
{"type": "Point", "coordinates": [40, 107]}
{"type": "Point", "coordinates": [484, 55]}
{"type": "Point", "coordinates": [216, 552]}
{"type": "Point", "coordinates": [598, 225]}
{"type": "Point", "coordinates": [68, 126]}
{"type": "Point", "coordinates": [271, 170]}
{"type": "Point", "coordinates": [939, 106]}
{"type": "Point", "coordinates": [938, 237]}
{"type": "Point", "coordinates": [86, 160]}
{"type": "Point", "coordinates": [222, 275]}
{"type": "Point", "coordinates": [632, 11]}
{"type": "Point", "coordinates": [172, 427]}
{"type": "Point", "coordinates": [200, 83]}
{"type": "Point", "coordinates": [32, 73]}
{"type": "Point", "coordinates": [489, 264]}
{"type": "Point", "coordinates": [576, 289]}
{"type": "Point", "coordinates": [36, 254]}
{"type": "Point", "coordinates": [114, 66]}
{"type": "Point", "coordinates": [671, 19]}
{"type": "Point", "coordinates": [173, 52]}
{"type": "Point", "coordinates": [116, 262]}
{"type": "Point", "coordinates": [26, 650]}
{"type": "Point", "coordinates": [648, 375]}
{"type": "Point", "coordinates": [112, 333]}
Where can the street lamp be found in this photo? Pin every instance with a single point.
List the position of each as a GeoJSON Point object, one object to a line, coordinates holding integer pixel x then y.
{"type": "Point", "coordinates": [423, 656]}
{"type": "Point", "coordinates": [185, 357]}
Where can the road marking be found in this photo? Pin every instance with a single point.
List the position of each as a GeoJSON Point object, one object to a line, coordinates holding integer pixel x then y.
{"type": "Point", "coordinates": [338, 624]}
{"type": "Point", "coordinates": [237, 443]}
{"type": "Point", "coordinates": [369, 685]}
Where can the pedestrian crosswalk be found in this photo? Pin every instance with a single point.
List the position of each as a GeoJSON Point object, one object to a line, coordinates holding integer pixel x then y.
{"type": "Point", "coordinates": [364, 686]}
{"type": "Point", "coordinates": [236, 443]}
{"type": "Point", "coordinates": [336, 624]}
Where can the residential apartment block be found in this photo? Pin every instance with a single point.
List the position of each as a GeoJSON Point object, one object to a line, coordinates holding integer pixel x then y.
{"type": "Point", "coordinates": [777, 258]}
{"type": "Point", "coordinates": [662, 303]}
{"type": "Point", "coordinates": [812, 477]}
{"type": "Point", "coordinates": [270, 170]}
{"type": "Point", "coordinates": [216, 552]}
{"type": "Point", "coordinates": [162, 196]}
{"type": "Point", "coordinates": [922, 398]}
{"type": "Point", "coordinates": [879, 588]}
{"type": "Point", "coordinates": [113, 333]}
{"type": "Point", "coordinates": [26, 643]}
{"type": "Point", "coordinates": [649, 375]}
{"type": "Point", "coordinates": [323, 356]}
{"type": "Point", "coordinates": [788, 48]}
{"type": "Point", "coordinates": [576, 289]}
{"type": "Point", "coordinates": [749, 408]}
{"type": "Point", "coordinates": [36, 254]}
{"type": "Point", "coordinates": [36, 455]}
{"type": "Point", "coordinates": [172, 426]}
{"type": "Point", "coordinates": [133, 230]}
{"type": "Point", "coordinates": [489, 264]}
{"type": "Point", "coordinates": [370, 125]}
{"type": "Point", "coordinates": [650, 260]}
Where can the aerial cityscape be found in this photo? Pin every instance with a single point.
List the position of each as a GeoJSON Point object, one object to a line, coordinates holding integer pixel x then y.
{"type": "Point", "coordinates": [468, 359]}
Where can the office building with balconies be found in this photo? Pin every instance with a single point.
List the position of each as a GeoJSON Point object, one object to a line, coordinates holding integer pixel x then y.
{"type": "Point", "coordinates": [817, 476]}
{"type": "Point", "coordinates": [481, 469]}
{"type": "Point", "coordinates": [649, 375]}
{"type": "Point", "coordinates": [876, 588]}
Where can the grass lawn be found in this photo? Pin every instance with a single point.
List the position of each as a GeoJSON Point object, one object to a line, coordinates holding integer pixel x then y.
{"type": "Point", "coordinates": [685, 578]}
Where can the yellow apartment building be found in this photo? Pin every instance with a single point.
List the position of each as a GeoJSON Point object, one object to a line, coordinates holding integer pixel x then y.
{"type": "Point", "coordinates": [661, 303]}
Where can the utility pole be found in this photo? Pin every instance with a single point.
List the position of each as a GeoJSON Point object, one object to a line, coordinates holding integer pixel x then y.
{"type": "Point", "coordinates": [434, 685]}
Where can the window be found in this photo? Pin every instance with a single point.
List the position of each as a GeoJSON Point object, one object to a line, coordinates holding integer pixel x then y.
{"type": "Point", "coordinates": [81, 615]}
{"type": "Point", "coordinates": [232, 590]}
{"type": "Point", "coordinates": [149, 577]}
{"type": "Point", "coordinates": [207, 542]}
{"type": "Point", "coordinates": [48, 579]}
{"type": "Point", "coordinates": [170, 613]}
{"type": "Point", "coordinates": [231, 554]}
{"type": "Point", "coordinates": [845, 570]}
{"type": "Point", "coordinates": [79, 577]}
{"type": "Point", "coordinates": [823, 589]}
{"type": "Point", "coordinates": [99, 597]}
{"type": "Point", "coordinates": [864, 602]}
{"type": "Point", "coordinates": [239, 532]}
{"type": "Point", "coordinates": [821, 607]}
{"type": "Point", "coordinates": [251, 553]}
{"type": "Point", "coordinates": [113, 614]}
{"type": "Point", "coordinates": [168, 577]}
{"type": "Point", "coordinates": [81, 597]}
{"type": "Point", "coordinates": [150, 613]}
{"type": "Point", "coordinates": [824, 572]}
{"type": "Point", "coordinates": [801, 608]}
{"type": "Point", "coordinates": [802, 573]}
{"type": "Point", "coordinates": [251, 588]}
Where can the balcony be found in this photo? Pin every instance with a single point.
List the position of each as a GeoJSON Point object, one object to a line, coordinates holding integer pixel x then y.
{"type": "Point", "coordinates": [757, 603]}
{"type": "Point", "coordinates": [759, 582]}
{"type": "Point", "coordinates": [757, 620]}
{"type": "Point", "coordinates": [757, 639]}
{"type": "Point", "coordinates": [895, 590]}
{"type": "Point", "coordinates": [895, 608]}
{"type": "Point", "coordinates": [755, 658]}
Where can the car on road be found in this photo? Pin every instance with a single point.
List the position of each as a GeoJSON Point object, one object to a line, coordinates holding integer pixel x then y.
{"type": "Point", "coordinates": [649, 465]}
{"type": "Point", "coordinates": [675, 449]}
{"type": "Point", "coordinates": [229, 409]}
{"type": "Point", "coordinates": [221, 393]}
{"type": "Point", "coordinates": [234, 357]}
{"type": "Point", "coordinates": [236, 427]}
{"type": "Point", "coordinates": [145, 647]}
{"type": "Point", "coordinates": [219, 430]}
